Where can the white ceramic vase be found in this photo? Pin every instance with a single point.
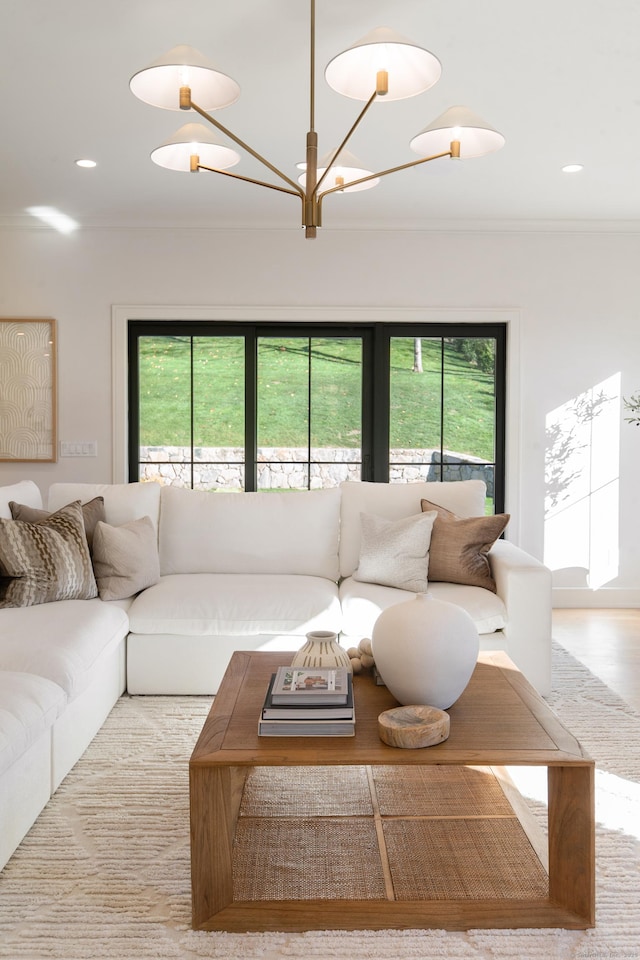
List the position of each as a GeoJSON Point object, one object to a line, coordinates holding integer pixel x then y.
{"type": "Point", "coordinates": [425, 650]}
{"type": "Point", "coordinates": [321, 650]}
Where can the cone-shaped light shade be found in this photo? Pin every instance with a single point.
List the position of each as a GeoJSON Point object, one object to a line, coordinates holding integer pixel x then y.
{"type": "Point", "coordinates": [476, 137]}
{"type": "Point", "coordinates": [411, 68]}
{"type": "Point", "coordinates": [175, 154]}
{"type": "Point", "coordinates": [159, 83]}
{"type": "Point", "coordinates": [346, 166]}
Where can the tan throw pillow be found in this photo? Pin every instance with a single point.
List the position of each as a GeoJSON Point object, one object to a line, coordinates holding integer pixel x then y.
{"type": "Point", "coordinates": [395, 553]}
{"type": "Point", "coordinates": [125, 558]}
{"type": "Point", "coordinates": [459, 546]}
{"type": "Point", "coordinates": [91, 513]}
{"type": "Point", "coordinates": [45, 561]}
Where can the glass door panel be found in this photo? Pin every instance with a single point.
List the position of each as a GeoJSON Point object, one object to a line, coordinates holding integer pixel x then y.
{"type": "Point", "coordinates": [335, 403]}
{"type": "Point", "coordinates": [469, 400]}
{"type": "Point", "coordinates": [415, 407]}
{"type": "Point", "coordinates": [218, 413]}
{"type": "Point", "coordinates": [164, 372]}
{"type": "Point", "coordinates": [309, 411]}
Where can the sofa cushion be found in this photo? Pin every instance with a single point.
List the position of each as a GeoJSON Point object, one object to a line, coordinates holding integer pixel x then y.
{"type": "Point", "coordinates": [29, 706]}
{"type": "Point", "coordinates": [362, 604]}
{"type": "Point", "coordinates": [395, 553]}
{"type": "Point", "coordinates": [460, 546]}
{"type": "Point", "coordinates": [273, 533]}
{"type": "Point", "coordinates": [396, 500]}
{"type": "Point", "coordinates": [122, 501]}
{"type": "Point", "coordinates": [125, 558]}
{"type": "Point", "coordinates": [45, 561]}
{"type": "Point", "coordinates": [65, 642]}
{"type": "Point", "coordinates": [25, 491]}
{"type": "Point", "coordinates": [91, 513]}
{"type": "Point", "coordinates": [203, 604]}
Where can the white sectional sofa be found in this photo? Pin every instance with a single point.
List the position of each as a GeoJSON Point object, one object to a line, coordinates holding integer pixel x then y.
{"type": "Point", "coordinates": [226, 571]}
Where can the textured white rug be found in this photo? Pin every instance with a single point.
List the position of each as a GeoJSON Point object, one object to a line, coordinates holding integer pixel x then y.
{"type": "Point", "coordinates": [105, 870]}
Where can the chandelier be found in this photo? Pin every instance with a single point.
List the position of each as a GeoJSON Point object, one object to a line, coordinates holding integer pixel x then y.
{"type": "Point", "coordinates": [382, 66]}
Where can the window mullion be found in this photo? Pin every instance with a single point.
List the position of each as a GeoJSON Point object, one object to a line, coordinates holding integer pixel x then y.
{"type": "Point", "coordinates": [442, 408]}
{"type": "Point", "coordinates": [380, 400]}
{"type": "Point", "coordinates": [309, 413]}
{"type": "Point", "coordinates": [251, 410]}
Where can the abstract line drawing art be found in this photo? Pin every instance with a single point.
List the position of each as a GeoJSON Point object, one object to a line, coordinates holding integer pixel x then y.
{"type": "Point", "coordinates": [28, 390]}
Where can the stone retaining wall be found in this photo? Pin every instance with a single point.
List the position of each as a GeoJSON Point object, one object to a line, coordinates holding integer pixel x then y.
{"type": "Point", "coordinates": [286, 468]}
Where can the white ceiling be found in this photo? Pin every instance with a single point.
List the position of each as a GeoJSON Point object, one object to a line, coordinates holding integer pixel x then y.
{"type": "Point", "coordinates": [559, 78]}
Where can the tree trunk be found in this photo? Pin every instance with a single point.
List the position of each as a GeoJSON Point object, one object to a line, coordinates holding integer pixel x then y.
{"type": "Point", "coordinates": [417, 355]}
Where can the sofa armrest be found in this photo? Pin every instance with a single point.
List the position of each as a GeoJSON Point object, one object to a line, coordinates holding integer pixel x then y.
{"type": "Point", "coordinates": [524, 585]}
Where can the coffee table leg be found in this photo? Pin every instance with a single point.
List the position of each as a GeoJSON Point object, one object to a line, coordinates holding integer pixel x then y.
{"type": "Point", "coordinates": [215, 795]}
{"type": "Point", "coordinates": [572, 839]}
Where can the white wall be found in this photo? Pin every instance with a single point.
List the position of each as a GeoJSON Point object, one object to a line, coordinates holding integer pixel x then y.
{"type": "Point", "coordinates": [577, 297]}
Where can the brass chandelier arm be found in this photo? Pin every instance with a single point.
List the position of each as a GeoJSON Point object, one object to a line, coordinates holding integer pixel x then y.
{"type": "Point", "coordinates": [260, 183]}
{"type": "Point", "coordinates": [297, 189]}
{"type": "Point", "coordinates": [453, 152]}
{"type": "Point", "coordinates": [344, 143]}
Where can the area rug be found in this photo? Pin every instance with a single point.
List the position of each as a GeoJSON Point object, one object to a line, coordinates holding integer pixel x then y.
{"type": "Point", "coordinates": [104, 873]}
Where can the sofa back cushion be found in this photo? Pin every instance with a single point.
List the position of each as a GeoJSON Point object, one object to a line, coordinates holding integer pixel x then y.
{"type": "Point", "coordinates": [122, 501]}
{"type": "Point", "coordinates": [25, 491]}
{"type": "Point", "coordinates": [394, 501]}
{"type": "Point", "coordinates": [284, 533]}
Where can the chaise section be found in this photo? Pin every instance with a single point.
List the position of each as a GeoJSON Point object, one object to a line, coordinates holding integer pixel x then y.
{"type": "Point", "coordinates": [67, 642]}
{"type": "Point", "coordinates": [79, 645]}
{"type": "Point", "coordinates": [29, 707]}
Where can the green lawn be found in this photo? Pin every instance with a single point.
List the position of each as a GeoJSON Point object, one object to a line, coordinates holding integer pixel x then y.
{"type": "Point", "coordinates": [284, 381]}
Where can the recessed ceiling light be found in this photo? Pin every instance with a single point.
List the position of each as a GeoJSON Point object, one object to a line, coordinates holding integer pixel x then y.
{"type": "Point", "coordinates": [572, 168]}
{"type": "Point", "coordinates": [86, 163]}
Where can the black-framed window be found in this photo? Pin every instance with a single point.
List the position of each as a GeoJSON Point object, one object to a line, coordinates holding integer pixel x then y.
{"type": "Point", "coordinates": [247, 406]}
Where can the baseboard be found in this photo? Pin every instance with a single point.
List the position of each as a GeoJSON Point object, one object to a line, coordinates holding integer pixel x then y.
{"type": "Point", "coordinates": [605, 598]}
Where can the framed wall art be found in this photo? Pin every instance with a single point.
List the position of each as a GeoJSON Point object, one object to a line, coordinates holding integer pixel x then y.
{"type": "Point", "coordinates": [28, 391]}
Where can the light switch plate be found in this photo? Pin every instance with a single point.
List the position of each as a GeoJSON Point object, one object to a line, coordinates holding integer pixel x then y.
{"type": "Point", "coordinates": [78, 448]}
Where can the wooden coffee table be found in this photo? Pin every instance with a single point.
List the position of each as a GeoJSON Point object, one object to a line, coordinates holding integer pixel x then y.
{"type": "Point", "coordinates": [499, 721]}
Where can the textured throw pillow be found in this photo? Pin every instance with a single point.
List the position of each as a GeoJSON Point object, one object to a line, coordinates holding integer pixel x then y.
{"type": "Point", "coordinates": [45, 561]}
{"type": "Point", "coordinates": [459, 546]}
{"type": "Point", "coordinates": [395, 553]}
{"type": "Point", "coordinates": [91, 513]}
{"type": "Point", "coordinates": [125, 558]}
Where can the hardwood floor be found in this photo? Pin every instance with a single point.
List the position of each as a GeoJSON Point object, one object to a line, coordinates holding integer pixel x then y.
{"type": "Point", "coordinates": [608, 643]}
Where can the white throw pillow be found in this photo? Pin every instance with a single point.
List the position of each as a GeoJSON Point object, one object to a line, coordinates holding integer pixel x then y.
{"type": "Point", "coordinates": [395, 553]}
{"type": "Point", "coordinates": [125, 558]}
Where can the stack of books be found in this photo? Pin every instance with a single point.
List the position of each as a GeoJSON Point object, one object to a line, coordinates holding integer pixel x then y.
{"type": "Point", "coordinates": [309, 702]}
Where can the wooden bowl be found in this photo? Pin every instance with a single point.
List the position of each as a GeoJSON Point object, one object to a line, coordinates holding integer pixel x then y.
{"type": "Point", "coordinates": [413, 726]}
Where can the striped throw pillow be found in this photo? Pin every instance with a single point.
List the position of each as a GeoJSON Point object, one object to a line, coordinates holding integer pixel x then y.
{"type": "Point", "coordinates": [45, 561]}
